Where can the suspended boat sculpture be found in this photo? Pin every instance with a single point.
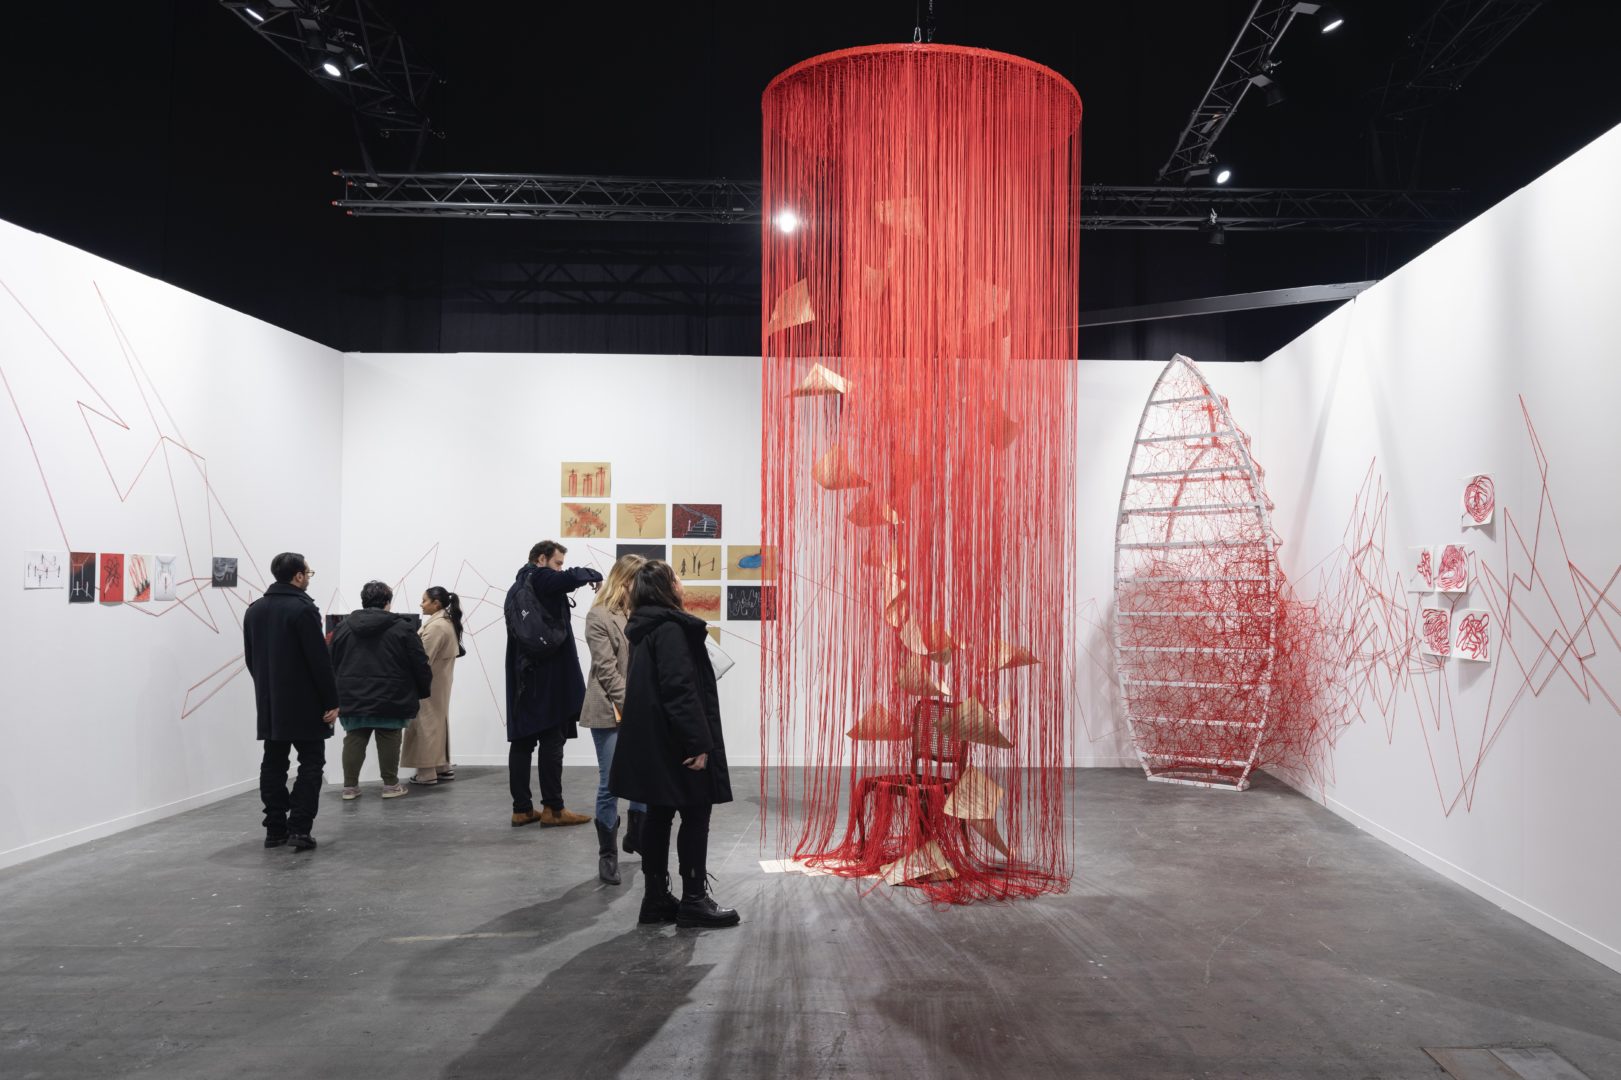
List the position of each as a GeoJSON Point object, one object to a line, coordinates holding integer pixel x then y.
{"type": "Point", "coordinates": [1197, 589]}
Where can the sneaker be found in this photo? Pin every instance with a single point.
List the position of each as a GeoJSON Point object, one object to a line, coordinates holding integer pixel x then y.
{"type": "Point", "coordinates": [549, 816]}
{"type": "Point", "coordinates": [394, 791]}
{"type": "Point", "coordinates": [302, 841]}
{"type": "Point", "coordinates": [525, 817]}
{"type": "Point", "coordinates": [275, 840]}
{"type": "Point", "coordinates": [423, 783]}
{"type": "Point", "coordinates": [350, 794]}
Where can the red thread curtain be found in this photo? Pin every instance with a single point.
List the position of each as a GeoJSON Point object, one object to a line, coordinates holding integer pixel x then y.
{"type": "Point", "coordinates": [920, 278]}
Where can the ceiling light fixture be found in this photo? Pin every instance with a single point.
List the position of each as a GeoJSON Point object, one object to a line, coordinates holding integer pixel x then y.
{"type": "Point", "coordinates": [331, 67]}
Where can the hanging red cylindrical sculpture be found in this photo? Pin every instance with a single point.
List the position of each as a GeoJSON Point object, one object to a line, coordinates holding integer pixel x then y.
{"type": "Point", "coordinates": [920, 279]}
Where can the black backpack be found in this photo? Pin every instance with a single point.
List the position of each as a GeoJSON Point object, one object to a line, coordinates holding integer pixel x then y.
{"type": "Point", "coordinates": [536, 633]}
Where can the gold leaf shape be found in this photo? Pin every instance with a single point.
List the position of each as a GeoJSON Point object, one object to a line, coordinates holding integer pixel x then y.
{"type": "Point", "coordinates": [878, 724]}
{"type": "Point", "coordinates": [792, 308]}
{"type": "Point", "coordinates": [975, 796]}
{"type": "Point", "coordinates": [871, 512]}
{"type": "Point", "coordinates": [927, 863]}
{"type": "Point", "coordinates": [820, 381]}
{"type": "Point", "coordinates": [834, 472]}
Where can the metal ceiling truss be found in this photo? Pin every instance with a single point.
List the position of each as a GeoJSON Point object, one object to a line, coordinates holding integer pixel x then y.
{"type": "Point", "coordinates": [351, 51]}
{"type": "Point", "coordinates": [535, 197]}
{"type": "Point", "coordinates": [1446, 48]}
{"type": "Point", "coordinates": [1249, 64]}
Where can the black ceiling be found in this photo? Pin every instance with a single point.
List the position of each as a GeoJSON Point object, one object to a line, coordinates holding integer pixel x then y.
{"type": "Point", "coordinates": [175, 142]}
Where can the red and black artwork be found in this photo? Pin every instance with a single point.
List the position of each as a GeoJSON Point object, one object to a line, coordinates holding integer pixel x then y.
{"type": "Point", "coordinates": [112, 578]}
{"type": "Point", "coordinates": [695, 521]}
{"type": "Point", "coordinates": [81, 577]}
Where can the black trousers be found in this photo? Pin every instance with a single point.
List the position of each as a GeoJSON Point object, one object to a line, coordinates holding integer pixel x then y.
{"type": "Point", "coordinates": [297, 814]}
{"type": "Point", "coordinates": [691, 846]}
{"type": "Point", "coordinates": [549, 766]}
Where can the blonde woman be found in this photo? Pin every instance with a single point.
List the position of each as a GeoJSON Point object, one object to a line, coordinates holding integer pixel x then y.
{"type": "Point", "coordinates": [604, 699]}
{"type": "Point", "coordinates": [427, 740]}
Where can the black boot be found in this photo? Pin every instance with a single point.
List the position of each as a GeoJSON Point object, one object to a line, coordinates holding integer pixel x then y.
{"type": "Point", "coordinates": [607, 854]}
{"type": "Point", "coordinates": [698, 908]}
{"type": "Point", "coordinates": [658, 903]}
{"type": "Point", "coordinates": [633, 832]}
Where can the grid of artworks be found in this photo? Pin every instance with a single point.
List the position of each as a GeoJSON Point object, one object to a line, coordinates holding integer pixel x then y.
{"type": "Point", "coordinates": [720, 580]}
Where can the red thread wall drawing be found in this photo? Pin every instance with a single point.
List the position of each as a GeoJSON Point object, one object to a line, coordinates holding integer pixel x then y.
{"type": "Point", "coordinates": [918, 318]}
{"type": "Point", "coordinates": [1545, 622]}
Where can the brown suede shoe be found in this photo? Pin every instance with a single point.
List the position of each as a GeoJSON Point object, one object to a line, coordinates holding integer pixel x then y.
{"type": "Point", "coordinates": [549, 816]}
{"type": "Point", "coordinates": [528, 817]}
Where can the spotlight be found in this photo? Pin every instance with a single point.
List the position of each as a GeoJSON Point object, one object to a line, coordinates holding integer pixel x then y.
{"type": "Point", "coordinates": [353, 62]}
{"type": "Point", "coordinates": [254, 14]}
{"type": "Point", "coordinates": [1268, 85]}
{"type": "Point", "coordinates": [787, 221]}
{"type": "Point", "coordinates": [1328, 17]}
{"type": "Point", "coordinates": [330, 66]}
{"type": "Point", "coordinates": [1217, 231]}
{"type": "Point", "coordinates": [1223, 175]}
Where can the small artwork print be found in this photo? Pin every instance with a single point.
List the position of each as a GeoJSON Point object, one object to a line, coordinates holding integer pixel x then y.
{"type": "Point", "coordinates": [695, 521]}
{"type": "Point", "coordinates": [332, 623]}
{"type": "Point", "coordinates": [1479, 501]}
{"type": "Point", "coordinates": [702, 601]}
{"type": "Point", "coordinates": [81, 577]}
{"type": "Point", "coordinates": [1421, 569]}
{"type": "Point", "coordinates": [1472, 638]}
{"type": "Point", "coordinates": [637, 520]}
{"type": "Point", "coordinates": [587, 480]}
{"type": "Point", "coordinates": [696, 562]}
{"type": "Point", "coordinates": [1435, 631]}
{"type": "Point", "coordinates": [45, 570]}
{"type": "Point", "coordinates": [112, 579]}
{"type": "Point", "coordinates": [164, 576]}
{"type": "Point", "coordinates": [646, 551]}
{"type": "Point", "coordinates": [137, 578]}
{"type": "Point", "coordinates": [585, 519]}
{"type": "Point", "coordinates": [751, 603]}
{"type": "Point", "coordinates": [1452, 570]}
{"type": "Point", "coordinates": [224, 572]}
{"type": "Point", "coordinates": [750, 562]}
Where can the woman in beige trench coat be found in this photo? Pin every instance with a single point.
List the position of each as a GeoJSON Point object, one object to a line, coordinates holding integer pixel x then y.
{"type": "Point", "coordinates": [427, 739]}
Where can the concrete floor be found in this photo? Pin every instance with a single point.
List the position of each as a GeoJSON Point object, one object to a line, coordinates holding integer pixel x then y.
{"type": "Point", "coordinates": [1206, 935]}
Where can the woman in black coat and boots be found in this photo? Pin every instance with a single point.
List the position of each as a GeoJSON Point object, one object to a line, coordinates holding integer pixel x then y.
{"type": "Point", "coordinates": [671, 753]}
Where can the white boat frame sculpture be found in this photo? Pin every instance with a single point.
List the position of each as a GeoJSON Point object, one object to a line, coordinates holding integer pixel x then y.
{"type": "Point", "coordinates": [1197, 589]}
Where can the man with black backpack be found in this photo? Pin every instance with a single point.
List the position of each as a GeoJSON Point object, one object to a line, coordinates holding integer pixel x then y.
{"type": "Point", "coordinates": [545, 688]}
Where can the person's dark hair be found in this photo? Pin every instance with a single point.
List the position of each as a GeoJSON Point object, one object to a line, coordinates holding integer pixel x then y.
{"type": "Point", "coordinates": [452, 605]}
{"type": "Point", "coordinates": [655, 586]}
{"type": "Point", "coordinates": [374, 594]}
{"type": "Point", "coordinates": [546, 549]}
{"type": "Point", "coordinates": [286, 566]}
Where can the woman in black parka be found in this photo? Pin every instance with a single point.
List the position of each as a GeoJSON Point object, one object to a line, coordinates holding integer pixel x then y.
{"type": "Point", "coordinates": [671, 753]}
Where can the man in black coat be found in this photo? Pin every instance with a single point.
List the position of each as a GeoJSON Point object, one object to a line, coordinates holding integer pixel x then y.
{"type": "Point", "coordinates": [544, 695]}
{"type": "Point", "coordinates": [296, 698]}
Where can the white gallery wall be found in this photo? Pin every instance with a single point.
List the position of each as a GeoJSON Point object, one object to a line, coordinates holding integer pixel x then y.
{"type": "Point", "coordinates": [139, 419]}
{"type": "Point", "coordinates": [451, 471]}
{"type": "Point", "coordinates": [1495, 352]}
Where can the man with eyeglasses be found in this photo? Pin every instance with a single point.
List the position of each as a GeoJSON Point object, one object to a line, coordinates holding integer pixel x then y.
{"type": "Point", "coordinates": [296, 697]}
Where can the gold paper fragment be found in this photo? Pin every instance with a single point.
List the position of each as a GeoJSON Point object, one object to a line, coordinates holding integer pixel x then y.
{"type": "Point", "coordinates": [1001, 428]}
{"type": "Point", "coordinates": [927, 863]}
{"type": "Point", "coordinates": [986, 827]}
{"type": "Point", "coordinates": [871, 512]}
{"type": "Point", "coordinates": [915, 679]}
{"type": "Point", "coordinates": [820, 381]}
{"type": "Point", "coordinates": [791, 308]}
{"type": "Point", "coordinates": [1011, 656]}
{"type": "Point", "coordinates": [878, 724]}
{"type": "Point", "coordinates": [975, 796]}
{"type": "Point", "coordinates": [834, 472]}
{"type": "Point", "coordinates": [972, 722]}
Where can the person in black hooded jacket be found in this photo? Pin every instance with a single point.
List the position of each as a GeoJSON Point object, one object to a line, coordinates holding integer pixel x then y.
{"type": "Point", "coordinates": [671, 753]}
{"type": "Point", "coordinates": [383, 674]}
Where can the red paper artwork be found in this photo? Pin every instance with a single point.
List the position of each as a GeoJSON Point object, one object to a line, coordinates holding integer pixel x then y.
{"type": "Point", "coordinates": [1479, 501]}
{"type": "Point", "coordinates": [918, 324]}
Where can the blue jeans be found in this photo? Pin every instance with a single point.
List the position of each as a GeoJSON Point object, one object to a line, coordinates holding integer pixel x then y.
{"type": "Point", "coordinates": [608, 806]}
